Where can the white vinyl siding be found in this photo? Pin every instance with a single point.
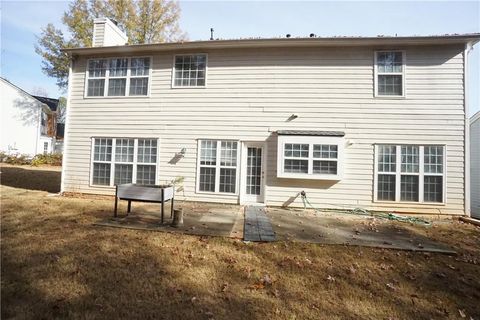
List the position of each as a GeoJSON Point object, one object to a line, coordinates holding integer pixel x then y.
{"type": "Point", "coordinates": [252, 93]}
{"type": "Point", "coordinates": [123, 160]}
{"type": "Point", "coordinates": [118, 77]}
{"type": "Point", "coordinates": [410, 173]}
{"type": "Point", "coordinates": [475, 165]}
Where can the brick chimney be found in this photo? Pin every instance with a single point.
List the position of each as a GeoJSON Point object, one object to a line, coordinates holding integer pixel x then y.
{"type": "Point", "coordinates": [107, 33]}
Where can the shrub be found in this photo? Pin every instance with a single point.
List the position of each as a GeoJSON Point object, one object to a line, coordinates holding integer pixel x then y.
{"type": "Point", "coordinates": [53, 159]}
{"type": "Point", "coordinates": [20, 159]}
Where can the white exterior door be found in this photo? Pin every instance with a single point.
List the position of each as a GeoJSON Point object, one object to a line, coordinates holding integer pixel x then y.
{"type": "Point", "coordinates": [253, 173]}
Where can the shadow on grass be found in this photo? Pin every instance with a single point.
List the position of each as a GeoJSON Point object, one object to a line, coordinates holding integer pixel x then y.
{"type": "Point", "coordinates": [119, 275]}
{"type": "Point", "coordinates": [43, 180]}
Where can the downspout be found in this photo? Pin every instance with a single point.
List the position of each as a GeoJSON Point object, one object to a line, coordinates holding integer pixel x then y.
{"type": "Point", "coordinates": [468, 48]}
{"type": "Point", "coordinates": [67, 120]}
{"type": "Point", "coordinates": [39, 123]}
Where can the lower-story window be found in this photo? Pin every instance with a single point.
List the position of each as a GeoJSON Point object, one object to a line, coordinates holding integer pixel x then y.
{"type": "Point", "coordinates": [124, 160]}
{"type": "Point", "coordinates": [410, 173]}
{"type": "Point", "coordinates": [217, 166]}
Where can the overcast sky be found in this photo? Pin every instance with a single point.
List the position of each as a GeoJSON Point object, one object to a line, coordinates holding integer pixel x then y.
{"type": "Point", "coordinates": [21, 22]}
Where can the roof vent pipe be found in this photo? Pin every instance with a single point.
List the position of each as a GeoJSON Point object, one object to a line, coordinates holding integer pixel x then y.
{"type": "Point", "coordinates": [211, 33]}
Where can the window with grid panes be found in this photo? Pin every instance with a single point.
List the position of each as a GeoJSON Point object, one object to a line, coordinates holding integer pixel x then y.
{"type": "Point", "coordinates": [139, 74]}
{"type": "Point", "coordinates": [296, 157]}
{"type": "Point", "coordinates": [97, 71]}
{"type": "Point", "coordinates": [118, 77]}
{"type": "Point", "coordinates": [114, 161]}
{"type": "Point", "coordinates": [146, 161]}
{"type": "Point", "coordinates": [403, 171]}
{"type": "Point", "coordinates": [218, 161]}
{"type": "Point", "coordinates": [310, 157]}
{"type": "Point", "coordinates": [190, 70]}
{"type": "Point", "coordinates": [102, 161]}
{"type": "Point", "coordinates": [387, 161]}
{"type": "Point", "coordinates": [390, 73]}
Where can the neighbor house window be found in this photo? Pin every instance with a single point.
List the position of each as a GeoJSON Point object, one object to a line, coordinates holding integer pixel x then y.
{"type": "Point", "coordinates": [43, 123]}
{"type": "Point", "coordinates": [390, 73]}
{"type": "Point", "coordinates": [410, 173]}
{"type": "Point", "coordinates": [118, 77]}
{"type": "Point", "coordinates": [124, 160]}
{"type": "Point", "coordinates": [45, 147]}
{"type": "Point", "coordinates": [310, 157]}
{"type": "Point", "coordinates": [190, 70]}
{"type": "Point", "coordinates": [217, 166]}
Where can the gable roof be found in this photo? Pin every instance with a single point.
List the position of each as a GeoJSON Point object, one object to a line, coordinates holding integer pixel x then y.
{"type": "Point", "coordinates": [283, 43]}
{"type": "Point", "coordinates": [51, 103]}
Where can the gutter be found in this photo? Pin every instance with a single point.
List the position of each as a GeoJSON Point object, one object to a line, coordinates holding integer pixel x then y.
{"type": "Point", "coordinates": [279, 43]}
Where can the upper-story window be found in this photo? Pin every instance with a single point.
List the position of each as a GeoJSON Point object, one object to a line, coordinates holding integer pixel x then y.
{"type": "Point", "coordinates": [390, 73]}
{"type": "Point", "coordinates": [118, 77]}
{"type": "Point", "coordinates": [190, 70]}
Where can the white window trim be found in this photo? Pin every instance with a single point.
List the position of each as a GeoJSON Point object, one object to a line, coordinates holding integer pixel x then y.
{"type": "Point", "coordinates": [421, 174]}
{"type": "Point", "coordinates": [173, 86]}
{"type": "Point", "coordinates": [310, 140]}
{"type": "Point", "coordinates": [113, 162]}
{"type": "Point", "coordinates": [107, 74]}
{"type": "Point", "coordinates": [217, 167]}
{"type": "Point", "coordinates": [376, 74]}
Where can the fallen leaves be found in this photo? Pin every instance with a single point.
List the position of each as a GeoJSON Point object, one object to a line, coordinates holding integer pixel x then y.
{"type": "Point", "coordinates": [330, 278]}
{"type": "Point", "coordinates": [224, 287]}
{"type": "Point", "coordinates": [263, 282]}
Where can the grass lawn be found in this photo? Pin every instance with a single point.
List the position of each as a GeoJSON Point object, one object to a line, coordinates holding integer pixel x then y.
{"type": "Point", "coordinates": [56, 264]}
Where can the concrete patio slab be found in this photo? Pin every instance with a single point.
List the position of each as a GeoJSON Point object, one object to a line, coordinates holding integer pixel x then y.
{"type": "Point", "coordinates": [212, 220]}
{"type": "Point", "coordinates": [336, 228]}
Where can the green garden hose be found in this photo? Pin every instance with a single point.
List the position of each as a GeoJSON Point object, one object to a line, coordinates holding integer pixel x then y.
{"type": "Point", "coordinates": [369, 213]}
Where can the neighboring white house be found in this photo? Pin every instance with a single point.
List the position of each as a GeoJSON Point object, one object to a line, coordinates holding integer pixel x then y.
{"type": "Point", "coordinates": [475, 164]}
{"type": "Point", "coordinates": [28, 123]}
{"type": "Point", "coordinates": [373, 122]}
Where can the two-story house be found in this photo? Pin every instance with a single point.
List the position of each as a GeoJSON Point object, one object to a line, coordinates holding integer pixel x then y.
{"type": "Point", "coordinates": [28, 122]}
{"type": "Point", "coordinates": [372, 122]}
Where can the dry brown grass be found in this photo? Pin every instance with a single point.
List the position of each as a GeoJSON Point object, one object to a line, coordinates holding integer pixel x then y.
{"type": "Point", "coordinates": [56, 264]}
